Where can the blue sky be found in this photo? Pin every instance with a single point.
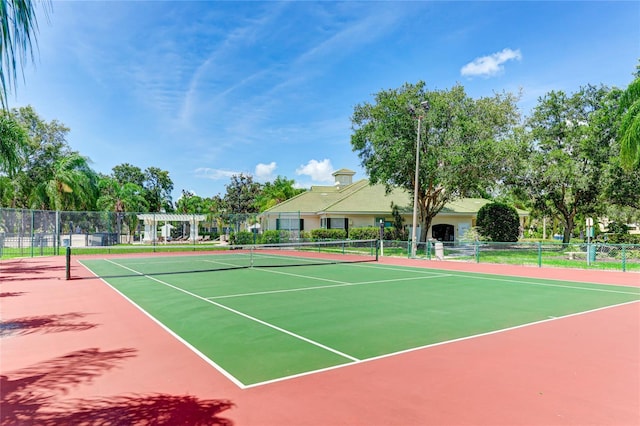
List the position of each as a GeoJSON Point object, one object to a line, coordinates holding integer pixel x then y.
{"type": "Point", "coordinates": [210, 89]}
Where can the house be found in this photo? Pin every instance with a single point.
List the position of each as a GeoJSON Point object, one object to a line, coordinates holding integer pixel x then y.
{"type": "Point", "coordinates": [348, 204]}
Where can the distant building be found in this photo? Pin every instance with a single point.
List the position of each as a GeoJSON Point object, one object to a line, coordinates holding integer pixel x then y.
{"type": "Point", "coordinates": [347, 205]}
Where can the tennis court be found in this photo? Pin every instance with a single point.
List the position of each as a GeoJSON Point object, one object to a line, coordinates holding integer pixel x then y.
{"type": "Point", "coordinates": [258, 322]}
{"type": "Point", "coordinates": [234, 337]}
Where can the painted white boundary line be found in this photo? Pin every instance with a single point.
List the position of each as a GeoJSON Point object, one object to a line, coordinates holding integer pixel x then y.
{"type": "Point", "coordinates": [205, 358]}
{"type": "Point", "coordinates": [355, 360]}
{"type": "Point", "coordinates": [340, 284]}
{"type": "Point", "coordinates": [494, 277]}
{"type": "Point", "coordinates": [447, 342]}
{"type": "Point", "coordinates": [242, 314]}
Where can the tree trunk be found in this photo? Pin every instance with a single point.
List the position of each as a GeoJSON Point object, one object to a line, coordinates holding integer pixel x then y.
{"type": "Point", "coordinates": [568, 229]}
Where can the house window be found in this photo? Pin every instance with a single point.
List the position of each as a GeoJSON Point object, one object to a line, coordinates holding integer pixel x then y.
{"type": "Point", "coordinates": [290, 224]}
{"type": "Point", "coordinates": [337, 223]}
{"type": "Point", "coordinates": [443, 232]}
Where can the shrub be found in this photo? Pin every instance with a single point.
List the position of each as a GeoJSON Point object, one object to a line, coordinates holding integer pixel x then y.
{"type": "Point", "coordinates": [270, 237]}
{"type": "Point", "coordinates": [328, 234]}
{"type": "Point", "coordinates": [243, 237]}
{"type": "Point", "coordinates": [368, 233]}
{"type": "Point", "coordinates": [499, 222]}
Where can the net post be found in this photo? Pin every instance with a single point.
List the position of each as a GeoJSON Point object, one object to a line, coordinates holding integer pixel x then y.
{"type": "Point", "coordinates": [68, 263]}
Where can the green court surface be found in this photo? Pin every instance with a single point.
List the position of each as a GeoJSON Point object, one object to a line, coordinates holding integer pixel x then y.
{"type": "Point", "coordinates": [257, 325]}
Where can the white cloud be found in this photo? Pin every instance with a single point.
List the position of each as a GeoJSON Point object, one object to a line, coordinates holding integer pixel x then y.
{"type": "Point", "coordinates": [320, 171]}
{"type": "Point", "coordinates": [264, 172]}
{"type": "Point", "coordinates": [490, 65]}
{"type": "Point", "coordinates": [214, 174]}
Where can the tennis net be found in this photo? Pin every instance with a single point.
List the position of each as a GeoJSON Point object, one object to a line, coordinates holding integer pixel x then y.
{"type": "Point", "coordinates": [130, 261]}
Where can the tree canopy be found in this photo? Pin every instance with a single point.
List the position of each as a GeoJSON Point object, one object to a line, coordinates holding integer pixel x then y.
{"type": "Point", "coordinates": [569, 154]}
{"type": "Point", "coordinates": [466, 145]}
{"type": "Point", "coordinates": [630, 126]}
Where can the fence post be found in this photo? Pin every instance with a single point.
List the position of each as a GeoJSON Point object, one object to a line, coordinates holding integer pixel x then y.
{"type": "Point", "coordinates": [539, 254]}
{"type": "Point", "coordinates": [624, 258]}
{"type": "Point", "coordinates": [32, 234]}
{"type": "Point", "coordinates": [477, 251]}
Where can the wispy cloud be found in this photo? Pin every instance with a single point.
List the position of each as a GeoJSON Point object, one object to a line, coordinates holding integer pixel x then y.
{"type": "Point", "coordinates": [490, 65]}
{"type": "Point", "coordinates": [214, 174]}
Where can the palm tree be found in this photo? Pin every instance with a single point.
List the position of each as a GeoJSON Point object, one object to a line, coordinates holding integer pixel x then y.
{"type": "Point", "coordinates": [630, 126]}
{"type": "Point", "coordinates": [71, 185]}
{"type": "Point", "coordinates": [13, 141]}
{"type": "Point", "coordinates": [18, 25]}
{"type": "Point", "coordinates": [122, 199]}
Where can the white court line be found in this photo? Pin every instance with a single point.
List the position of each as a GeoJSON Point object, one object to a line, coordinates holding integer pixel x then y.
{"type": "Point", "coordinates": [493, 277]}
{"type": "Point", "coordinates": [425, 272]}
{"type": "Point", "coordinates": [446, 342]}
{"type": "Point", "coordinates": [339, 284]}
{"type": "Point", "coordinates": [242, 314]}
{"type": "Point", "coordinates": [195, 350]}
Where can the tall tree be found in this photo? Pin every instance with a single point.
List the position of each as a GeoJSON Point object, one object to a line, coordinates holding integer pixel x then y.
{"type": "Point", "coordinates": [190, 203]}
{"type": "Point", "coordinates": [127, 173]}
{"type": "Point", "coordinates": [281, 189]}
{"type": "Point", "coordinates": [465, 143]}
{"type": "Point", "coordinates": [120, 198]}
{"type": "Point", "coordinates": [18, 26]}
{"type": "Point", "coordinates": [123, 199]}
{"type": "Point", "coordinates": [569, 155]}
{"type": "Point", "coordinates": [242, 194]}
{"type": "Point", "coordinates": [71, 185]}
{"type": "Point", "coordinates": [158, 186]}
{"type": "Point", "coordinates": [47, 146]}
{"type": "Point", "coordinates": [630, 125]}
{"type": "Point", "coordinates": [13, 144]}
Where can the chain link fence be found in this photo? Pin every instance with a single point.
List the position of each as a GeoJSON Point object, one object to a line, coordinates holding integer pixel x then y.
{"type": "Point", "coordinates": [29, 233]}
{"type": "Point", "coordinates": [622, 257]}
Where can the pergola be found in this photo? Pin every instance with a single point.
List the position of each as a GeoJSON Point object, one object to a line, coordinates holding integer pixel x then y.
{"type": "Point", "coordinates": [151, 223]}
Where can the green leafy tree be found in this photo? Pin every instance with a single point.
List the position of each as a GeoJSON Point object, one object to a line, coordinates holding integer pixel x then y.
{"type": "Point", "coordinates": [398, 233]}
{"type": "Point", "coordinates": [13, 144]}
{"type": "Point", "coordinates": [498, 222]}
{"type": "Point", "coordinates": [18, 26]}
{"type": "Point", "coordinates": [569, 155]}
{"type": "Point", "coordinates": [70, 185]}
{"type": "Point", "coordinates": [190, 203]}
{"type": "Point", "coordinates": [127, 173]}
{"type": "Point", "coordinates": [273, 193]}
{"type": "Point", "coordinates": [124, 200]}
{"type": "Point", "coordinates": [158, 186]}
{"type": "Point", "coordinates": [242, 194]}
{"type": "Point", "coordinates": [630, 125]}
{"type": "Point", "coordinates": [52, 176]}
{"type": "Point", "coordinates": [466, 143]}
{"type": "Point", "coordinates": [120, 198]}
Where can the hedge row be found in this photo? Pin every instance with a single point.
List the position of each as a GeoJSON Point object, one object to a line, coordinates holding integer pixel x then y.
{"type": "Point", "coordinates": [274, 237]}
